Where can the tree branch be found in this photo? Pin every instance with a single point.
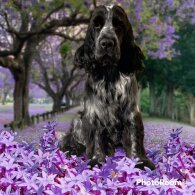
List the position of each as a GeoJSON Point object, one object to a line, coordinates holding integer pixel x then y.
{"type": "Point", "coordinates": [48, 29]}
{"type": "Point", "coordinates": [66, 21]}
{"type": "Point", "coordinates": [45, 75]}
{"type": "Point", "coordinates": [14, 51]}
{"type": "Point", "coordinates": [51, 26]}
{"type": "Point", "coordinates": [7, 21]}
{"type": "Point", "coordinates": [40, 85]}
{"type": "Point", "coordinates": [66, 36]}
{"type": "Point", "coordinates": [10, 63]}
{"type": "Point", "coordinates": [72, 79]}
{"type": "Point", "coordinates": [77, 82]}
{"type": "Point", "coordinates": [63, 5]}
{"type": "Point", "coordinates": [9, 28]}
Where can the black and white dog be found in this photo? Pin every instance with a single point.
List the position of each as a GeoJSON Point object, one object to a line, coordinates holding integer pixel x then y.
{"type": "Point", "coordinates": [111, 116]}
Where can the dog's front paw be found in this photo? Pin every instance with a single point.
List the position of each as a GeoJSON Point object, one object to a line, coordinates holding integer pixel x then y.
{"type": "Point", "coordinates": [68, 143]}
{"type": "Point", "coordinates": [65, 142]}
{"type": "Point", "coordinates": [145, 163]}
{"type": "Point", "coordinates": [96, 161]}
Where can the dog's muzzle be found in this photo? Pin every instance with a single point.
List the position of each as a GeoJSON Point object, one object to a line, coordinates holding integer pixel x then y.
{"type": "Point", "coordinates": [107, 45]}
{"type": "Point", "coordinates": [107, 52]}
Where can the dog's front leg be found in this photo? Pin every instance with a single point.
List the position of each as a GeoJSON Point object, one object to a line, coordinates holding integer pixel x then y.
{"type": "Point", "coordinates": [94, 149]}
{"type": "Point", "coordinates": [133, 140]}
{"type": "Point", "coordinates": [74, 140]}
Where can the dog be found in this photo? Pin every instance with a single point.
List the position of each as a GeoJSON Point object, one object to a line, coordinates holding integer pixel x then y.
{"type": "Point", "coordinates": [111, 117]}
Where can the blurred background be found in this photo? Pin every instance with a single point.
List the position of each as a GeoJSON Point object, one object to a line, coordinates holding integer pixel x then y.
{"type": "Point", "coordinates": [38, 39]}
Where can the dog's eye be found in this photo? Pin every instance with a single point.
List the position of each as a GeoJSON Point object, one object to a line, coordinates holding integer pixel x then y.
{"type": "Point", "coordinates": [118, 24]}
{"type": "Point", "coordinates": [98, 22]}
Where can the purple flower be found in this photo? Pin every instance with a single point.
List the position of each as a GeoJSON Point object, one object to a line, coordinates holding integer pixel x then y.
{"type": "Point", "coordinates": [30, 182]}
{"type": "Point", "coordinates": [2, 147]}
{"type": "Point", "coordinates": [46, 179]}
{"type": "Point", "coordinates": [30, 170]}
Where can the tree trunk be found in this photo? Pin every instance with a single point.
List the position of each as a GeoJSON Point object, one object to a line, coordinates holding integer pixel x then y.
{"type": "Point", "coordinates": [169, 112]}
{"type": "Point", "coordinates": [57, 100]}
{"type": "Point", "coordinates": [152, 110]}
{"type": "Point", "coordinates": [22, 79]}
{"type": "Point", "coordinates": [21, 96]}
{"type": "Point", "coordinates": [163, 104]}
{"type": "Point", "coordinates": [191, 108]}
{"type": "Point", "coordinates": [192, 114]}
{"type": "Point", "coordinates": [4, 98]}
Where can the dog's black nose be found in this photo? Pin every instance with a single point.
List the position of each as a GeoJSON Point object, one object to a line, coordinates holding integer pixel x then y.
{"type": "Point", "coordinates": [107, 44]}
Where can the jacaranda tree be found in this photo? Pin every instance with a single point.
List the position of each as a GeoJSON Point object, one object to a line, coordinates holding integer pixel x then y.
{"type": "Point", "coordinates": [157, 25]}
{"type": "Point", "coordinates": [53, 70]}
{"type": "Point", "coordinates": [23, 25]}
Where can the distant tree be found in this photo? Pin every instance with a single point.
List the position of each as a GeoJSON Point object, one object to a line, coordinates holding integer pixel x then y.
{"type": "Point", "coordinates": [6, 84]}
{"type": "Point", "coordinates": [186, 60]}
{"type": "Point", "coordinates": [54, 71]}
{"type": "Point", "coordinates": [163, 78]}
{"type": "Point", "coordinates": [163, 72]}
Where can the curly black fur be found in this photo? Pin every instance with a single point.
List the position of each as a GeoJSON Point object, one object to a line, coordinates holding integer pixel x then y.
{"type": "Point", "coordinates": [111, 116]}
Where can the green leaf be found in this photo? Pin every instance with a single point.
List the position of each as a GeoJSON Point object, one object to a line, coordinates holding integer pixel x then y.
{"type": "Point", "coordinates": [65, 48]}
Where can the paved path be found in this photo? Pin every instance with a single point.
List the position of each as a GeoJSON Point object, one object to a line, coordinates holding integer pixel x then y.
{"type": "Point", "coordinates": [33, 133]}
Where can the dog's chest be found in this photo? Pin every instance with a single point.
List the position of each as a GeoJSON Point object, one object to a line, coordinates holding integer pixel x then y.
{"type": "Point", "coordinates": [112, 92]}
{"type": "Point", "coordinates": [107, 101]}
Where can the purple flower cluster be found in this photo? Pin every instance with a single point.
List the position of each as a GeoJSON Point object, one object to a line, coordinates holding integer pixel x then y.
{"type": "Point", "coordinates": [25, 169]}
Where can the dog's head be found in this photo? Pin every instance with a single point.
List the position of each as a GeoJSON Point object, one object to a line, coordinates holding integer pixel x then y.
{"type": "Point", "coordinates": [109, 42]}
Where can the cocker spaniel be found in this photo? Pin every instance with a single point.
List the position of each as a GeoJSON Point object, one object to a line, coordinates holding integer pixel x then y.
{"type": "Point", "coordinates": [111, 116]}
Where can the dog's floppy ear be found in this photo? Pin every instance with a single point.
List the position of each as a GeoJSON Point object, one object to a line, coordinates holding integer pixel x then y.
{"type": "Point", "coordinates": [131, 55]}
{"type": "Point", "coordinates": [84, 55]}
{"type": "Point", "coordinates": [79, 59]}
